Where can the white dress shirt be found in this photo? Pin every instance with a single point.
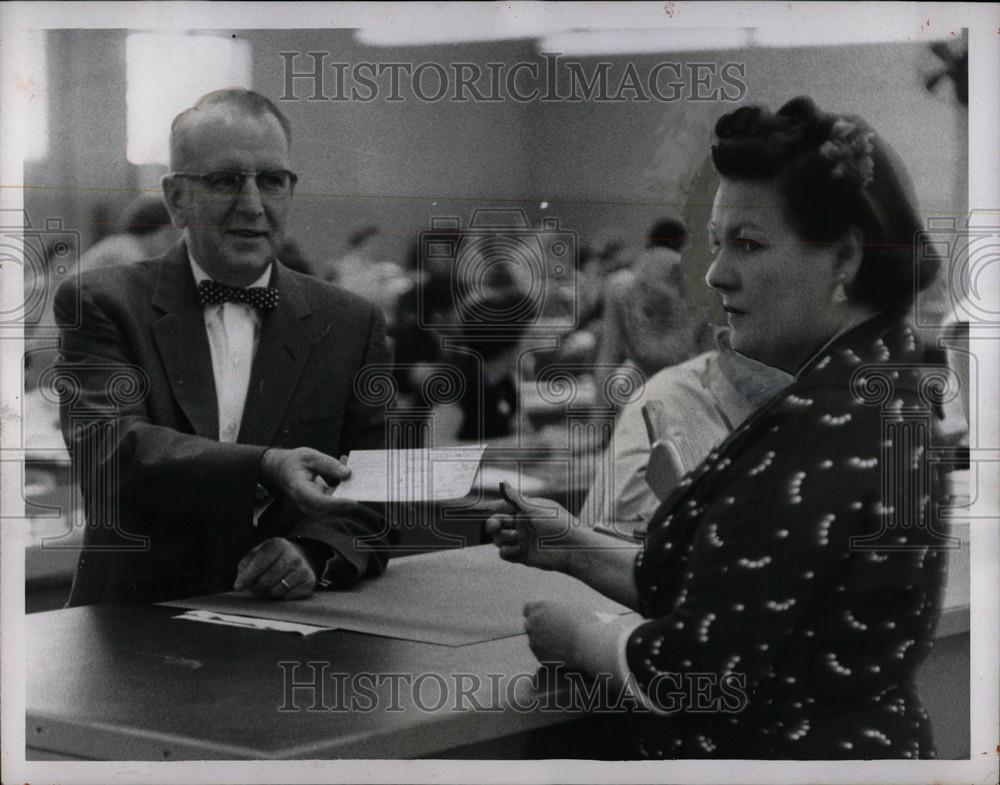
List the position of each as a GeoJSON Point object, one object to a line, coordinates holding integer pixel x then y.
{"type": "Point", "coordinates": [233, 333]}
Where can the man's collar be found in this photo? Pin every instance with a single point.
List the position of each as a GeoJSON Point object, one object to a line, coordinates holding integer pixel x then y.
{"type": "Point", "coordinates": [176, 288]}
{"type": "Point", "coordinates": [200, 274]}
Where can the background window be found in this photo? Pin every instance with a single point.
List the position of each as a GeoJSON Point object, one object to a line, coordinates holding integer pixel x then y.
{"type": "Point", "coordinates": [166, 73]}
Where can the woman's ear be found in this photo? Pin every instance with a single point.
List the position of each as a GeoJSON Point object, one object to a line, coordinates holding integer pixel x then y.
{"type": "Point", "coordinates": [850, 251]}
{"type": "Point", "coordinates": [175, 199]}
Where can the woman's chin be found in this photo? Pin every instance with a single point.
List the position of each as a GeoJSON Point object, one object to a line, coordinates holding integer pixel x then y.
{"type": "Point", "coordinates": [755, 351]}
{"type": "Point", "coordinates": [746, 347]}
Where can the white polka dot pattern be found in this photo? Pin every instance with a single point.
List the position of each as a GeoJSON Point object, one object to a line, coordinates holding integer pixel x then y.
{"type": "Point", "coordinates": [761, 565]}
{"type": "Point", "coordinates": [263, 298]}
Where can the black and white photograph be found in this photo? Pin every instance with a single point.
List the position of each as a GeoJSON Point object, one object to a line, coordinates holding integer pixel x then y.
{"type": "Point", "coordinates": [500, 392]}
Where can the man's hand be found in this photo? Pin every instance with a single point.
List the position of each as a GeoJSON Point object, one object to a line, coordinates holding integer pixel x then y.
{"type": "Point", "coordinates": [277, 569]}
{"type": "Point", "coordinates": [306, 476]}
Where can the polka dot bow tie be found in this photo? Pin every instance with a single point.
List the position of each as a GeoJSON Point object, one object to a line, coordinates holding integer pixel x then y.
{"type": "Point", "coordinates": [263, 298]}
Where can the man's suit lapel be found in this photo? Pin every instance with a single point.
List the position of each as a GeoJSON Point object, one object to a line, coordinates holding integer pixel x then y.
{"type": "Point", "coordinates": [281, 356]}
{"type": "Point", "coordinates": [183, 342]}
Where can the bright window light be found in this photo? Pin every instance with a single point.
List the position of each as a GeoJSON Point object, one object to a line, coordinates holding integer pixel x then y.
{"type": "Point", "coordinates": [167, 73]}
{"type": "Point", "coordinates": [584, 43]}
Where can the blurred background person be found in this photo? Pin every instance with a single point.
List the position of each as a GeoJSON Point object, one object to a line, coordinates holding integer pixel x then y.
{"type": "Point", "coordinates": [146, 232]}
{"type": "Point", "coordinates": [426, 305]}
{"type": "Point", "coordinates": [361, 270]}
{"type": "Point", "coordinates": [647, 322]}
{"type": "Point", "coordinates": [684, 412]}
{"type": "Point", "coordinates": [492, 292]}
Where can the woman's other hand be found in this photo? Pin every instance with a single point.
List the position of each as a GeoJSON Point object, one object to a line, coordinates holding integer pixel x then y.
{"type": "Point", "coordinates": [555, 629]}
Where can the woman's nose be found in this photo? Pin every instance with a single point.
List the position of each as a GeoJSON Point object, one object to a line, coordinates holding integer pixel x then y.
{"type": "Point", "coordinates": [721, 275]}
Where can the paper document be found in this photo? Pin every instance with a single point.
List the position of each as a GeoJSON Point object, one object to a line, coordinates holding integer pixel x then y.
{"type": "Point", "coordinates": [400, 476]}
{"type": "Point", "coordinates": [232, 620]}
{"type": "Point", "coordinates": [448, 598]}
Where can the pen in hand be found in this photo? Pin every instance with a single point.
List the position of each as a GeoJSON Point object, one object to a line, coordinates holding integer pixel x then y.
{"type": "Point", "coordinates": [505, 493]}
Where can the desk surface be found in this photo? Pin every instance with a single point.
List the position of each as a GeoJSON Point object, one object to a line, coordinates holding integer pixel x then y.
{"type": "Point", "coordinates": [135, 685]}
{"type": "Point", "coordinates": [130, 683]}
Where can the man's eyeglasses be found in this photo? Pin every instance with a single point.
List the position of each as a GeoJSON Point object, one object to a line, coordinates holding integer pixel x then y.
{"type": "Point", "coordinates": [272, 183]}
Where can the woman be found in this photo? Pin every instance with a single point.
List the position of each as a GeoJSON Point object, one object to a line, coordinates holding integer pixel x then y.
{"type": "Point", "coordinates": [755, 576]}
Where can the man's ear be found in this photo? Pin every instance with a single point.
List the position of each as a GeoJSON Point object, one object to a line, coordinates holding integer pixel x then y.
{"type": "Point", "coordinates": [174, 196]}
{"type": "Point", "coordinates": [850, 251]}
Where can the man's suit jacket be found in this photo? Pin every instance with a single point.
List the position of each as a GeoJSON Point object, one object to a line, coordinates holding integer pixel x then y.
{"type": "Point", "coordinates": [170, 508]}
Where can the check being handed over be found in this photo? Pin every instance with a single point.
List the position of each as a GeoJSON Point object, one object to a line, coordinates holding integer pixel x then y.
{"type": "Point", "coordinates": [400, 476]}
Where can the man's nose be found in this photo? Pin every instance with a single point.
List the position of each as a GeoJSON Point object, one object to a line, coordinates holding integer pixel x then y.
{"type": "Point", "coordinates": [721, 275]}
{"type": "Point", "coordinates": [249, 200]}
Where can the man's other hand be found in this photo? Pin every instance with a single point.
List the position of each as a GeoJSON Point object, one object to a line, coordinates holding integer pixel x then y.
{"type": "Point", "coordinates": [277, 568]}
{"type": "Point", "coordinates": [307, 477]}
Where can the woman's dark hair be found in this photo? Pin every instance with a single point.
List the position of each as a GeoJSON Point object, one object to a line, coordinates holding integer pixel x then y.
{"type": "Point", "coordinates": [834, 172]}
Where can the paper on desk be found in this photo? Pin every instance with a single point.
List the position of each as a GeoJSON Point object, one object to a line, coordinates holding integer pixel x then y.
{"type": "Point", "coordinates": [450, 598]}
{"type": "Point", "coordinates": [400, 476]}
{"type": "Point", "coordinates": [252, 622]}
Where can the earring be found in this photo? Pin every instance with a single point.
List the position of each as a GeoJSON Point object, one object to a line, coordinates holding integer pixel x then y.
{"type": "Point", "coordinates": [840, 293]}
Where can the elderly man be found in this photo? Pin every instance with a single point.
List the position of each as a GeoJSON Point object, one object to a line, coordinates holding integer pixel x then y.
{"type": "Point", "coordinates": [206, 391]}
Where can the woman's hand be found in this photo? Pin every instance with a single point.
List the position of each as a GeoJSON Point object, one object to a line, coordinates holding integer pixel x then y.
{"type": "Point", "coordinates": [555, 631]}
{"type": "Point", "coordinates": [536, 532]}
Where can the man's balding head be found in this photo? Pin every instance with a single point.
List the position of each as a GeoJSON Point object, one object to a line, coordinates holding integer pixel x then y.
{"type": "Point", "coordinates": [231, 183]}
{"type": "Point", "coordinates": [236, 101]}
